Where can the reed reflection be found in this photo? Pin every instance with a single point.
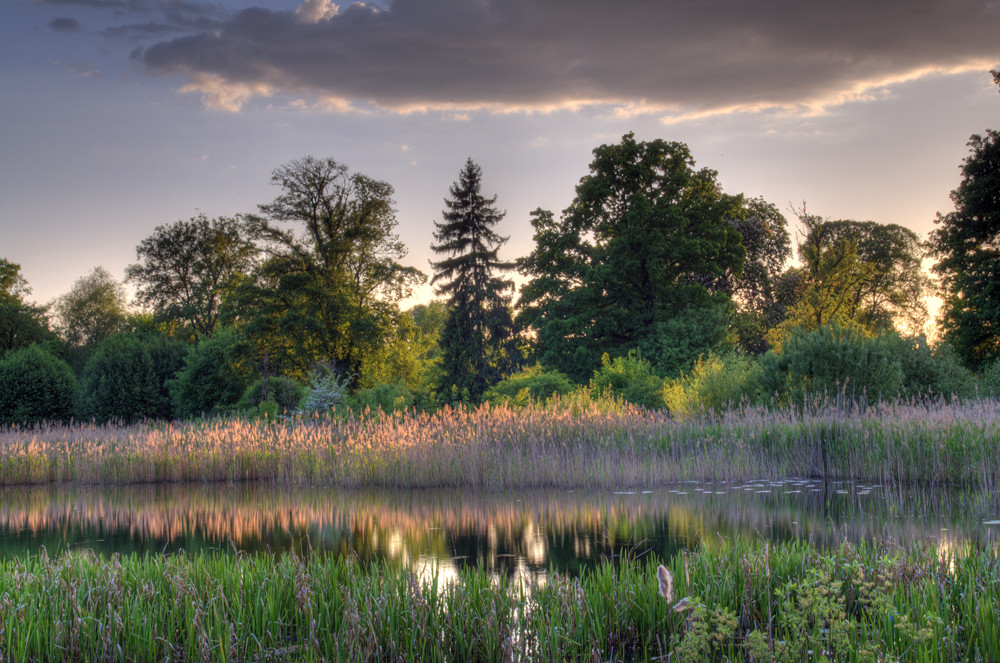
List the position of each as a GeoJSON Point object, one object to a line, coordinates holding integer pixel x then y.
{"type": "Point", "coordinates": [512, 534]}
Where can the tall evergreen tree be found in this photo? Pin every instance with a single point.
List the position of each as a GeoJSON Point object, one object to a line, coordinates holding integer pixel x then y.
{"type": "Point", "coordinates": [478, 342]}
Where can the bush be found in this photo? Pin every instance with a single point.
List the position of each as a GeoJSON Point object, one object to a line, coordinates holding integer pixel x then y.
{"type": "Point", "coordinates": [167, 354]}
{"type": "Point", "coordinates": [713, 384]}
{"type": "Point", "coordinates": [988, 382]}
{"type": "Point", "coordinates": [930, 372]}
{"type": "Point", "coordinates": [35, 386]}
{"type": "Point", "coordinates": [383, 397]}
{"type": "Point", "coordinates": [120, 382]}
{"type": "Point", "coordinates": [283, 391]}
{"type": "Point", "coordinates": [832, 360]}
{"type": "Point", "coordinates": [325, 391]}
{"type": "Point", "coordinates": [211, 377]}
{"type": "Point", "coordinates": [675, 344]}
{"type": "Point", "coordinates": [630, 378]}
{"type": "Point", "coordinates": [532, 385]}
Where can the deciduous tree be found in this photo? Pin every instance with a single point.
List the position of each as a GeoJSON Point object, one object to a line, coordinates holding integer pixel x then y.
{"type": "Point", "coordinates": [21, 324]}
{"type": "Point", "coordinates": [328, 288]}
{"type": "Point", "coordinates": [636, 257]}
{"type": "Point", "coordinates": [966, 244]}
{"type": "Point", "coordinates": [856, 274]}
{"type": "Point", "coordinates": [93, 309]}
{"type": "Point", "coordinates": [185, 268]}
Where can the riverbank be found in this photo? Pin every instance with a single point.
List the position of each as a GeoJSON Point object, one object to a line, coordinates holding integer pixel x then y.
{"type": "Point", "coordinates": [741, 601]}
{"type": "Point", "coordinates": [568, 445]}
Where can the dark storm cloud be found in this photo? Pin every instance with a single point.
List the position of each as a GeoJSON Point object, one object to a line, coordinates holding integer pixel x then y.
{"type": "Point", "coordinates": [682, 54]}
{"type": "Point", "coordinates": [64, 25]}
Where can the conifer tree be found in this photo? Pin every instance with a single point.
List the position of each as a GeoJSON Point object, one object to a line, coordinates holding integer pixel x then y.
{"type": "Point", "coordinates": [478, 342]}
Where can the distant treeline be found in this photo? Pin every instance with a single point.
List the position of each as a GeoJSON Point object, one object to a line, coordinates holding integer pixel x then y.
{"type": "Point", "coordinates": [654, 286]}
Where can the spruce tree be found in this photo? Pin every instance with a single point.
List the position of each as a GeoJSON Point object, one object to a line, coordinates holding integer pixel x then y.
{"type": "Point", "coordinates": [478, 341]}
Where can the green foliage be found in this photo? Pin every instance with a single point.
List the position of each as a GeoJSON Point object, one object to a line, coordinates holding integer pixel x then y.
{"type": "Point", "coordinates": [714, 383]}
{"type": "Point", "coordinates": [832, 360]}
{"type": "Point", "coordinates": [676, 343]}
{"type": "Point", "coordinates": [285, 392]}
{"type": "Point", "coordinates": [857, 273]}
{"type": "Point", "coordinates": [325, 390]}
{"type": "Point", "coordinates": [478, 342]}
{"type": "Point", "coordinates": [630, 378]}
{"type": "Point", "coordinates": [213, 376]}
{"type": "Point", "coordinates": [929, 372]}
{"type": "Point", "coordinates": [35, 386]}
{"type": "Point", "coordinates": [381, 398]}
{"type": "Point", "coordinates": [21, 324]}
{"type": "Point", "coordinates": [532, 385]}
{"type": "Point", "coordinates": [92, 310]}
{"type": "Point", "coordinates": [966, 244]}
{"type": "Point", "coordinates": [756, 292]}
{"type": "Point", "coordinates": [329, 290]}
{"type": "Point", "coordinates": [120, 382]}
{"type": "Point", "coordinates": [185, 269]}
{"type": "Point", "coordinates": [647, 240]}
{"type": "Point", "coordinates": [988, 382]}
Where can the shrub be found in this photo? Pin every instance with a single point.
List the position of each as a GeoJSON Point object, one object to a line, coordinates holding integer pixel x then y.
{"type": "Point", "coordinates": [119, 381]}
{"type": "Point", "coordinates": [211, 377]}
{"type": "Point", "coordinates": [326, 389]}
{"type": "Point", "coordinates": [383, 397]}
{"type": "Point", "coordinates": [988, 382]}
{"type": "Point", "coordinates": [284, 391]}
{"type": "Point", "coordinates": [530, 385]}
{"type": "Point", "coordinates": [714, 383]}
{"type": "Point", "coordinates": [630, 378]}
{"type": "Point", "coordinates": [35, 386]}
{"type": "Point", "coordinates": [167, 354]}
{"type": "Point", "coordinates": [832, 360]}
{"type": "Point", "coordinates": [929, 372]}
{"type": "Point", "coordinates": [675, 344]}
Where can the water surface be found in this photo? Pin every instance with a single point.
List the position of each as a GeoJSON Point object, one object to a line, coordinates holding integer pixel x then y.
{"type": "Point", "coordinates": [512, 533]}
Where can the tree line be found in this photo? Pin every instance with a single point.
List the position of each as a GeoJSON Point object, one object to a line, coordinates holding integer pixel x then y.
{"type": "Point", "coordinates": [654, 284]}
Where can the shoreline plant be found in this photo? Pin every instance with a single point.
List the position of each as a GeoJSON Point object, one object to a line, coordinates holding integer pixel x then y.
{"type": "Point", "coordinates": [746, 601]}
{"type": "Point", "coordinates": [570, 441]}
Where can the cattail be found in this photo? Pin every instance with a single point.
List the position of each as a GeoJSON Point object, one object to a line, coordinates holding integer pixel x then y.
{"type": "Point", "coordinates": [666, 579]}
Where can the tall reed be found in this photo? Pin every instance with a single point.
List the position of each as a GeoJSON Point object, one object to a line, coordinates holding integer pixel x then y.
{"type": "Point", "coordinates": [743, 601]}
{"type": "Point", "coordinates": [560, 444]}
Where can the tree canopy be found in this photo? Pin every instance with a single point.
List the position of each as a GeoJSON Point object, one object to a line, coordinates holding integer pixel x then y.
{"type": "Point", "coordinates": [93, 309]}
{"type": "Point", "coordinates": [966, 244]}
{"type": "Point", "coordinates": [855, 274]}
{"type": "Point", "coordinates": [634, 262]}
{"type": "Point", "coordinates": [184, 269]}
{"type": "Point", "coordinates": [21, 324]}
{"type": "Point", "coordinates": [328, 287]}
{"type": "Point", "coordinates": [478, 342]}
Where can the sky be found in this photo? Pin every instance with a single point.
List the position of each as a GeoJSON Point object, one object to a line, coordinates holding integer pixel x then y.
{"type": "Point", "coordinates": [122, 115]}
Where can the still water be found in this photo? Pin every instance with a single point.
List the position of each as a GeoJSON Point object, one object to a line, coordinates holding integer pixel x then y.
{"type": "Point", "coordinates": [524, 532]}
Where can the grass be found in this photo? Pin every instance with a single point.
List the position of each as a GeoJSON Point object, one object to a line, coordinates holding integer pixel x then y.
{"type": "Point", "coordinates": [576, 444]}
{"type": "Point", "coordinates": [746, 601]}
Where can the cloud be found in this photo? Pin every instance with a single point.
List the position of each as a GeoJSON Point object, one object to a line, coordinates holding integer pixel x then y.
{"type": "Point", "coordinates": [64, 25]}
{"type": "Point", "coordinates": [165, 17]}
{"type": "Point", "coordinates": [677, 58]}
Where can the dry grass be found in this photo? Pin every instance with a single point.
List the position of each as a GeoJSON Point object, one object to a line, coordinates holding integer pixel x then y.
{"type": "Point", "coordinates": [569, 444]}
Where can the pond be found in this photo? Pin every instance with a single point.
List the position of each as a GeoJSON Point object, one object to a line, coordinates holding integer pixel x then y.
{"type": "Point", "coordinates": [510, 533]}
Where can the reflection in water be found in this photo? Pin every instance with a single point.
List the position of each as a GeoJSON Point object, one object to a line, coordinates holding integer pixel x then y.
{"type": "Point", "coordinates": [509, 533]}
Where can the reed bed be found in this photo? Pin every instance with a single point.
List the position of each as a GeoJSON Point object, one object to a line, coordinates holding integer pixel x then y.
{"type": "Point", "coordinates": [569, 444]}
{"type": "Point", "coordinates": [743, 601]}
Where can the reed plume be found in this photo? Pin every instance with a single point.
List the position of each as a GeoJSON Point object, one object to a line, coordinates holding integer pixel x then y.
{"type": "Point", "coordinates": [666, 579]}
